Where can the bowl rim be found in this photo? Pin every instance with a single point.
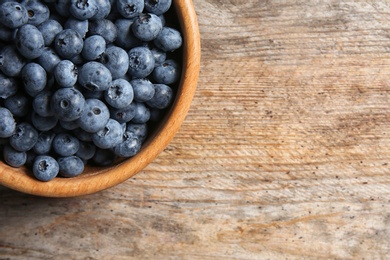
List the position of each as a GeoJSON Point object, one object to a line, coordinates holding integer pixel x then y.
{"type": "Point", "coordinates": [104, 178]}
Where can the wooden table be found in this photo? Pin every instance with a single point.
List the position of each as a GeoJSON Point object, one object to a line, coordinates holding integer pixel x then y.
{"type": "Point", "coordinates": [284, 153]}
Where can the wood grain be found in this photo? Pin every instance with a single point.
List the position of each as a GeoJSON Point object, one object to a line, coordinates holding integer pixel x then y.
{"type": "Point", "coordinates": [284, 153]}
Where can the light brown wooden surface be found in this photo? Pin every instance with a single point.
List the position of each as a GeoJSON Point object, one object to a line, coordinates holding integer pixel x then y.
{"type": "Point", "coordinates": [283, 155]}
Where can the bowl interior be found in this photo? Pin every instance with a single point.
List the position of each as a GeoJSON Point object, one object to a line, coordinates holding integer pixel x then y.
{"type": "Point", "coordinates": [95, 179]}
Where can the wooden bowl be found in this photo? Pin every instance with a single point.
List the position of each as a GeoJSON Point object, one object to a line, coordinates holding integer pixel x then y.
{"type": "Point", "coordinates": [95, 179]}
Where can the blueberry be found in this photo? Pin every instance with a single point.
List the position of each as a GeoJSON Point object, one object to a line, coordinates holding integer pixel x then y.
{"type": "Point", "coordinates": [95, 115]}
{"type": "Point", "coordinates": [162, 98]}
{"type": "Point", "coordinates": [86, 150]}
{"type": "Point", "coordinates": [8, 86]}
{"type": "Point", "coordinates": [68, 43]}
{"type": "Point", "coordinates": [109, 136]}
{"type": "Point", "coordinates": [65, 144]}
{"type": "Point", "coordinates": [146, 26]}
{"type": "Point", "coordinates": [80, 26]}
{"type": "Point", "coordinates": [45, 168]}
{"type": "Point", "coordinates": [62, 7]}
{"type": "Point", "coordinates": [123, 115]}
{"type": "Point", "coordinates": [7, 123]}
{"type": "Point", "coordinates": [65, 73]}
{"type": "Point", "coordinates": [104, 28]}
{"type": "Point", "coordinates": [141, 113]}
{"type": "Point", "coordinates": [143, 89]}
{"type": "Point", "coordinates": [169, 39]}
{"type": "Point", "coordinates": [13, 14]}
{"type": "Point", "coordinates": [103, 157]}
{"type": "Point", "coordinates": [49, 29]}
{"type": "Point", "coordinates": [37, 11]}
{"type": "Point", "coordinates": [120, 93]}
{"type": "Point", "coordinates": [130, 8]}
{"type": "Point", "coordinates": [34, 78]}
{"type": "Point", "coordinates": [94, 47]}
{"type": "Point", "coordinates": [104, 8]}
{"type": "Point", "coordinates": [67, 103]}
{"type": "Point", "coordinates": [29, 41]}
{"type": "Point", "coordinates": [157, 7]}
{"type": "Point", "coordinates": [18, 104]}
{"type": "Point", "coordinates": [11, 62]}
{"type": "Point", "coordinates": [24, 138]}
{"type": "Point", "coordinates": [69, 125]}
{"type": "Point", "coordinates": [44, 142]}
{"type": "Point", "coordinates": [139, 130]}
{"type": "Point", "coordinates": [13, 157]}
{"type": "Point", "coordinates": [141, 62]}
{"type": "Point", "coordinates": [94, 76]}
{"type": "Point", "coordinates": [126, 38]}
{"type": "Point", "coordinates": [130, 146]}
{"type": "Point", "coordinates": [83, 9]}
{"type": "Point", "coordinates": [167, 72]}
{"type": "Point", "coordinates": [116, 60]}
{"type": "Point", "coordinates": [70, 166]}
{"type": "Point", "coordinates": [43, 123]}
{"type": "Point", "coordinates": [41, 103]}
{"type": "Point", "coordinates": [49, 59]}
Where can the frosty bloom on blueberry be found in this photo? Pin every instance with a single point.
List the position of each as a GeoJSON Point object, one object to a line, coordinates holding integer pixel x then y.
{"type": "Point", "coordinates": [81, 81]}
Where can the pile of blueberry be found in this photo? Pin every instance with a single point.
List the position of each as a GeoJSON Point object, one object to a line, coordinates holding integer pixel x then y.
{"type": "Point", "coordinates": [81, 80]}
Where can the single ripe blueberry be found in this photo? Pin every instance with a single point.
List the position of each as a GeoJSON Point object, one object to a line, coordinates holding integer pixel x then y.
{"type": "Point", "coordinates": [143, 89]}
{"type": "Point", "coordinates": [45, 168]}
{"type": "Point", "coordinates": [157, 7]}
{"type": "Point", "coordinates": [13, 14]}
{"type": "Point", "coordinates": [34, 78]}
{"type": "Point", "coordinates": [13, 157]}
{"type": "Point", "coordinates": [67, 104]}
{"type": "Point", "coordinates": [49, 29]}
{"type": "Point", "coordinates": [43, 123]}
{"type": "Point", "coordinates": [116, 60]}
{"type": "Point", "coordinates": [130, 8]}
{"type": "Point", "coordinates": [80, 26]}
{"type": "Point", "coordinates": [49, 59]}
{"type": "Point", "coordinates": [162, 98]}
{"type": "Point", "coordinates": [94, 47]}
{"type": "Point", "coordinates": [24, 138]}
{"type": "Point", "coordinates": [29, 41]}
{"type": "Point", "coordinates": [141, 113]}
{"type": "Point", "coordinates": [94, 76]}
{"type": "Point", "coordinates": [65, 73]}
{"type": "Point", "coordinates": [169, 39]}
{"type": "Point", "coordinates": [65, 144]}
{"type": "Point", "coordinates": [123, 115]}
{"type": "Point", "coordinates": [44, 143]}
{"type": "Point", "coordinates": [70, 166]}
{"type": "Point", "coordinates": [68, 43]}
{"type": "Point", "coordinates": [120, 94]}
{"type": "Point", "coordinates": [95, 115]}
{"type": "Point", "coordinates": [167, 72]}
{"type": "Point", "coordinates": [8, 86]}
{"type": "Point", "coordinates": [141, 62]}
{"type": "Point", "coordinates": [105, 28]}
{"type": "Point", "coordinates": [11, 61]}
{"type": "Point", "coordinates": [109, 136]}
{"type": "Point", "coordinates": [129, 147]}
{"type": "Point", "coordinates": [146, 26]}
{"type": "Point", "coordinates": [86, 150]}
{"type": "Point", "coordinates": [41, 103]}
{"type": "Point", "coordinates": [18, 104]}
{"type": "Point", "coordinates": [139, 130]}
{"type": "Point", "coordinates": [37, 11]}
{"type": "Point", "coordinates": [83, 9]}
{"type": "Point", "coordinates": [7, 123]}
